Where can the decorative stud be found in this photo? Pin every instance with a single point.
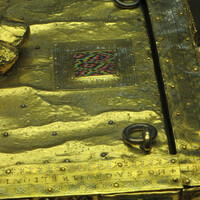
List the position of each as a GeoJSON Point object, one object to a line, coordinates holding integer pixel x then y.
{"type": "Point", "coordinates": [167, 61]}
{"type": "Point", "coordinates": [23, 106]}
{"type": "Point", "coordinates": [49, 189]}
{"type": "Point", "coordinates": [116, 184]}
{"type": "Point", "coordinates": [54, 133]}
{"type": "Point", "coordinates": [62, 169]}
{"type": "Point", "coordinates": [195, 69]}
{"type": "Point", "coordinates": [119, 164]}
{"type": "Point", "coordinates": [104, 154]}
{"type": "Point", "coordinates": [173, 86]}
{"type": "Point", "coordinates": [8, 171]}
{"type": "Point", "coordinates": [173, 161]}
{"type": "Point", "coordinates": [184, 147]}
{"type": "Point", "coordinates": [5, 134]}
{"type": "Point", "coordinates": [187, 181]}
{"type": "Point", "coordinates": [188, 104]}
{"type": "Point", "coordinates": [110, 122]}
{"type": "Point", "coordinates": [67, 161]}
{"type": "Point", "coordinates": [178, 114]}
{"type": "Point", "coordinates": [175, 180]}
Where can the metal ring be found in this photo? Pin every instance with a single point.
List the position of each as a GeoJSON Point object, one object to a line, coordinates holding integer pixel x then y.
{"type": "Point", "coordinates": [138, 127]}
{"type": "Point", "coordinates": [121, 4]}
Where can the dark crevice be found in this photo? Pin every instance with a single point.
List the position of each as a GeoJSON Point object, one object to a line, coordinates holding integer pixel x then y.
{"type": "Point", "coordinates": [159, 77]}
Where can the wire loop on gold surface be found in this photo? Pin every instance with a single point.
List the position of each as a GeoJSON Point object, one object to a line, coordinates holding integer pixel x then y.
{"type": "Point", "coordinates": [122, 4]}
{"type": "Point", "coordinates": [149, 134]}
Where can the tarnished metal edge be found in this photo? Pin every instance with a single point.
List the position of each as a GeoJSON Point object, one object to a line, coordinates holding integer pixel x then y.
{"type": "Point", "coordinates": [179, 65]}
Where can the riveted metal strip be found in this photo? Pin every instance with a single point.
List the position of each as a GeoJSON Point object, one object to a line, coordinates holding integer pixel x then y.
{"type": "Point", "coordinates": [180, 66]}
{"type": "Point", "coordinates": [105, 177]}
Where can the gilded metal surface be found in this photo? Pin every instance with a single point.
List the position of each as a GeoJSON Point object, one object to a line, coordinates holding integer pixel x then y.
{"type": "Point", "coordinates": [13, 35]}
{"type": "Point", "coordinates": [175, 43]}
{"type": "Point", "coordinates": [61, 135]}
{"type": "Point", "coordinates": [8, 56]}
{"type": "Point", "coordinates": [43, 124]}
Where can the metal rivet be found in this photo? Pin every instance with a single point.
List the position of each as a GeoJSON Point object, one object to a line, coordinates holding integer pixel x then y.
{"type": "Point", "coordinates": [62, 169]}
{"type": "Point", "coordinates": [5, 134]}
{"type": "Point", "coordinates": [181, 77]}
{"type": "Point", "coordinates": [67, 161]}
{"type": "Point", "coordinates": [195, 69]}
{"type": "Point", "coordinates": [23, 106]}
{"type": "Point", "coordinates": [37, 47]}
{"type": "Point", "coordinates": [119, 164]}
{"type": "Point", "coordinates": [8, 171]}
{"type": "Point", "coordinates": [187, 181]}
{"type": "Point", "coordinates": [54, 133]}
{"type": "Point", "coordinates": [178, 114]}
{"type": "Point", "coordinates": [104, 154]}
{"type": "Point", "coordinates": [110, 122]}
{"type": "Point", "coordinates": [173, 86]}
{"type": "Point", "coordinates": [173, 161]}
{"type": "Point", "coordinates": [49, 189]}
{"type": "Point", "coordinates": [175, 180]}
{"type": "Point", "coordinates": [167, 61]}
{"type": "Point", "coordinates": [116, 184]}
{"type": "Point", "coordinates": [184, 147]}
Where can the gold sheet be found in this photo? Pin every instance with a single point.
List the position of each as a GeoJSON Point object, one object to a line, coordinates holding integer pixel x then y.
{"type": "Point", "coordinates": [62, 135]}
